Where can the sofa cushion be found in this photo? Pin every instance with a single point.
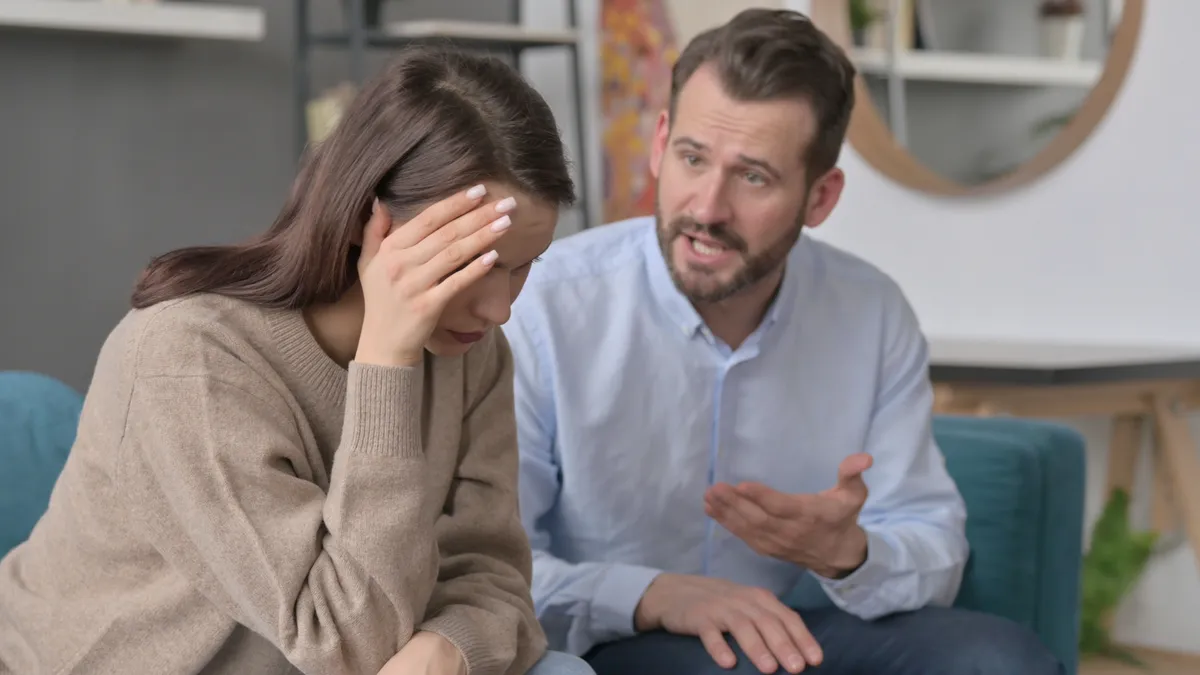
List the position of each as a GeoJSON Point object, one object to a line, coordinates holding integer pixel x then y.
{"type": "Point", "coordinates": [38, 418]}
{"type": "Point", "coordinates": [1001, 481]}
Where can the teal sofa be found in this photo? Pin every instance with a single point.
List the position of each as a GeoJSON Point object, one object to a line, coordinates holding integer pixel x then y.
{"type": "Point", "coordinates": [1022, 481]}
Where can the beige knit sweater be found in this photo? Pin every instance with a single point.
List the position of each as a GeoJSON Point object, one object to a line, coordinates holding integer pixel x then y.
{"type": "Point", "coordinates": [236, 502]}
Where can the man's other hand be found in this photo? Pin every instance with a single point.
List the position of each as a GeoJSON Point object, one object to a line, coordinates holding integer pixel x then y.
{"type": "Point", "coordinates": [769, 632]}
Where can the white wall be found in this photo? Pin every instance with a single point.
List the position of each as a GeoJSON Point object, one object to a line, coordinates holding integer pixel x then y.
{"type": "Point", "coordinates": [1104, 249]}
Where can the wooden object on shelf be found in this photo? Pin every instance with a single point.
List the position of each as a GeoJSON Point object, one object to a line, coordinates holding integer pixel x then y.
{"type": "Point", "coordinates": [196, 20]}
{"type": "Point", "coordinates": [481, 31]}
{"type": "Point", "coordinates": [1136, 387]}
{"type": "Point", "coordinates": [325, 112]}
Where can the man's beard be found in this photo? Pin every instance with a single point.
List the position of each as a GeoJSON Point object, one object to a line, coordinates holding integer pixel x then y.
{"type": "Point", "coordinates": [754, 267]}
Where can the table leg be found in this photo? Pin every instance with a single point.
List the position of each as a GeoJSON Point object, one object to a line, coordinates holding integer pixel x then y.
{"type": "Point", "coordinates": [1123, 450]}
{"type": "Point", "coordinates": [1162, 512]}
{"type": "Point", "coordinates": [1182, 464]}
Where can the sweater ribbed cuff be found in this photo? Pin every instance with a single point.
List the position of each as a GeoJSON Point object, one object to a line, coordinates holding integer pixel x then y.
{"type": "Point", "coordinates": [383, 410]}
{"type": "Point", "coordinates": [479, 655]}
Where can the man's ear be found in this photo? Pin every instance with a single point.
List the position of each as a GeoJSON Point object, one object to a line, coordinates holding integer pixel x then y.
{"type": "Point", "coordinates": [658, 148]}
{"type": "Point", "coordinates": [824, 196]}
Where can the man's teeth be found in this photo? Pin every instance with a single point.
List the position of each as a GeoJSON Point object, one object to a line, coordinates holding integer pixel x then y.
{"type": "Point", "coordinates": [705, 249]}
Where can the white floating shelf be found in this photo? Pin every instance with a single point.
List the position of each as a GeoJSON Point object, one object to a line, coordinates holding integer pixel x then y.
{"type": "Point", "coordinates": [160, 19]}
{"type": "Point", "coordinates": [480, 31]}
{"type": "Point", "coordinates": [980, 68]}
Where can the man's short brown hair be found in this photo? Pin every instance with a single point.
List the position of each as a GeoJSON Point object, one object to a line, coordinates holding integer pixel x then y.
{"type": "Point", "coordinates": [775, 54]}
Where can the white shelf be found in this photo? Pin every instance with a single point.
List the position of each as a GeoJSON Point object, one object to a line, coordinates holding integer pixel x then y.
{"type": "Point", "coordinates": [480, 31]}
{"type": "Point", "coordinates": [980, 68]}
{"type": "Point", "coordinates": [161, 19]}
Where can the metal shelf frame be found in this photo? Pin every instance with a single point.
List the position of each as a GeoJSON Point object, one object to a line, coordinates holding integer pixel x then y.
{"type": "Point", "coordinates": [359, 36]}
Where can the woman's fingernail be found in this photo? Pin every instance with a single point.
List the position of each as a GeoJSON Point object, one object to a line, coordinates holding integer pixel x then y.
{"type": "Point", "coordinates": [477, 192]}
{"type": "Point", "coordinates": [489, 257]}
{"type": "Point", "coordinates": [505, 205]}
{"type": "Point", "coordinates": [375, 206]}
{"type": "Point", "coordinates": [501, 224]}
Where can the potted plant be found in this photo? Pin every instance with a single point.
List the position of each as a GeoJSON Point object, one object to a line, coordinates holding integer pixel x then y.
{"type": "Point", "coordinates": [1061, 28]}
{"type": "Point", "coordinates": [862, 15]}
{"type": "Point", "coordinates": [1112, 566]}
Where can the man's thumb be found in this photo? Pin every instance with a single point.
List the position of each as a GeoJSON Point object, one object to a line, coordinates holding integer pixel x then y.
{"type": "Point", "coordinates": [850, 472]}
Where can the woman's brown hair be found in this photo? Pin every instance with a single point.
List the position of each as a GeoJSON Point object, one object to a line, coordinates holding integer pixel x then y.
{"type": "Point", "coordinates": [432, 122]}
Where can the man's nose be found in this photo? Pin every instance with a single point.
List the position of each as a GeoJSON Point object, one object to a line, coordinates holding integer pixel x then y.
{"type": "Point", "coordinates": [711, 204]}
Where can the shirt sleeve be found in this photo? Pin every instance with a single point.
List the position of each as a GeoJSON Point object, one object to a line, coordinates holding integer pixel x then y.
{"type": "Point", "coordinates": [218, 481]}
{"type": "Point", "coordinates": [914, 516]}
{"type": "Point", "coordinates": [578, 604]}
{"type": "Point", "coordinates": [481, 602]}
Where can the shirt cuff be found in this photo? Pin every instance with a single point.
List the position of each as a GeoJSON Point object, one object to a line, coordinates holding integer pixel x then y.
{"type": "Point", "coordinates": [617, 598]}
{"type": "Point", "coordinates": [864, 582]}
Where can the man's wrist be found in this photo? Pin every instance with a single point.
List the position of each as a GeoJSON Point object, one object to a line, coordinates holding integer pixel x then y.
{"type": "Point", "coordinates": [851, 555]}
{"type": "Point", "coordinates": [643, 620]}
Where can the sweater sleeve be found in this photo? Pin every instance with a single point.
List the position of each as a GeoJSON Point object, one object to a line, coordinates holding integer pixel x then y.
{"type": "Point", "coordinates": [216, 476]}
{"type": "Point", "coordinates": [482, 601]}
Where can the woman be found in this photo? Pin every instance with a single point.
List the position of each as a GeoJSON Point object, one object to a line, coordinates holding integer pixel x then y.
{"type": "Point", "coordinates": [299, 454]}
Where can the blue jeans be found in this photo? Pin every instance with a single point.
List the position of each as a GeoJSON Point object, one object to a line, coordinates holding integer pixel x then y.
{"type": "Point", "coordinates": [930, 641]}
{"type": "Point", "coordinates": [559, 663]}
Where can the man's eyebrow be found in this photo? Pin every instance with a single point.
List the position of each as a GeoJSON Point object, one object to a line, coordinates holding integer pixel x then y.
{"type": "Point", "coordinates": [690, 142]}
{"type": "Point", "coordinates": [755, 162]}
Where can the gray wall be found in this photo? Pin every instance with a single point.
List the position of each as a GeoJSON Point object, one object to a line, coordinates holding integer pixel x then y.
{"type": "Point", "coordinates": [115, 149]}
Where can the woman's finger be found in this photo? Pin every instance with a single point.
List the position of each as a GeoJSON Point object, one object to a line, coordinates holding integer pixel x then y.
{"type": "Point", "coordinates": [494, 215]}
{"type": "Point", "coordinates": [459, 254]}
{"type": "Point", "coordinates": [434, 217]}
{"type": "Point", "coordinates": [462, 279]}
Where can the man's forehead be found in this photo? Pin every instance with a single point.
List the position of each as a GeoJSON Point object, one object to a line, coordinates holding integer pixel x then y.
{"type": "Point", "coordinates": [706, 114]}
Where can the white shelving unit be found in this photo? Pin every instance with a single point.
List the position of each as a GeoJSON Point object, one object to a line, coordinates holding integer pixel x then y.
{"type": "Point", "coordinates": [971, 68]}
{"type": "Point", "coordinates": [195, 20]}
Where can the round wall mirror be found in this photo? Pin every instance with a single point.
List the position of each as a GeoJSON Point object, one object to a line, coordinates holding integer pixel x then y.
{"type": "Point", "coordinates": [964, 97]}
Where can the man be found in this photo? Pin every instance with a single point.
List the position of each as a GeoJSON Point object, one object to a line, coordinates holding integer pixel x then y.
{"type": "Point", "coordinates": [712, 406]}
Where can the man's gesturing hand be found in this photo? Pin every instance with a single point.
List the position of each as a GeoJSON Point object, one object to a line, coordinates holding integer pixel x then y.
{"type": "Point", "coordinates": [769, 632]}
{"type": "Point", "coordinates": [819, 532]}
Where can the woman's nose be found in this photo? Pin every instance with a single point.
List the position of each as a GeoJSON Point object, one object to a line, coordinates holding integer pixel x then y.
{"type": "Point", "coordinates": [493, 302]}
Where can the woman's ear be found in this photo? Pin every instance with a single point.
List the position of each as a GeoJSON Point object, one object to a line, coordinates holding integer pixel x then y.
{"type": "Point", "coordinates": [356, 237]}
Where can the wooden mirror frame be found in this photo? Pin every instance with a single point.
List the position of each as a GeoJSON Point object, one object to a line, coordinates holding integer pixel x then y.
{"type": "Point", "coordinates": [873, 140]}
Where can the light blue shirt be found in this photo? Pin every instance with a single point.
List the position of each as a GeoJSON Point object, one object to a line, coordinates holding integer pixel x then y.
{"type": "Point", "coordinates": [628, 409]}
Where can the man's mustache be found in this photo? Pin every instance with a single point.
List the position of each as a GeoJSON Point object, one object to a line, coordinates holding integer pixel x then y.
{"type": "Point", "coordinates": [718, 232]}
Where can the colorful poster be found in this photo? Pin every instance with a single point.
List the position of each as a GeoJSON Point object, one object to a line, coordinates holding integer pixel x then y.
{"type": "Point", "coordinates": [637, 50]}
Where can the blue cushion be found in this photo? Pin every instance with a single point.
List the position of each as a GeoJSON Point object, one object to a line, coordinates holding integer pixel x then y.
{"type": "Point", "coordinates": [38, 418]}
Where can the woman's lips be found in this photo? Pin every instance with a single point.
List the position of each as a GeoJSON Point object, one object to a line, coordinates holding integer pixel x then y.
{"type": "Point", "coordinates": [466, 338]}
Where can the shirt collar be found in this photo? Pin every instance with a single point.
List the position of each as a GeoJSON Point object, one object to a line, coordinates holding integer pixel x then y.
{"type": "Point", "coordinates": [679, 309]}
